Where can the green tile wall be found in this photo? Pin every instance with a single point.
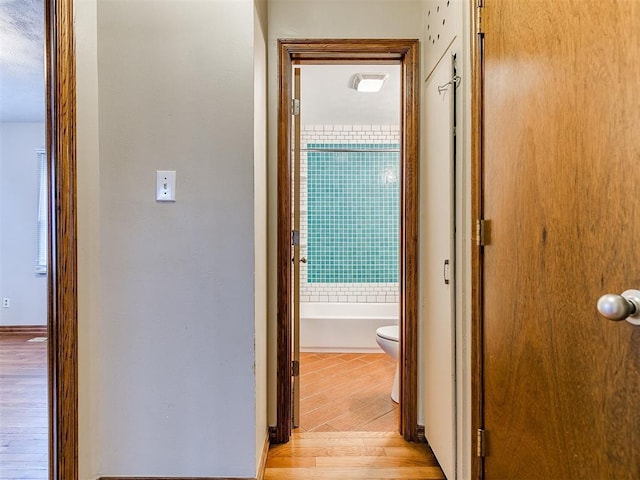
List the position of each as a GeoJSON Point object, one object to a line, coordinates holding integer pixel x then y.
{"type": "Point", "coordinates": [353, 202]}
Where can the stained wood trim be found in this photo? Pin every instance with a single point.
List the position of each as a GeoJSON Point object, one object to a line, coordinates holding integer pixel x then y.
{"type": "Point", "coordinates": [409, 245]}
{"type": "Point", "coordinates": [62, 279]}
{"type": "Point", "coordinates": [477, 377]}
{"type": "Point", "coordinates": [325, 51]}
{"type": "Point", "coordinates": [422, 437]}
{"type": "Point", "coordinates": [283, 425]}
{"type": "Point", "coordinates": [41, 330]}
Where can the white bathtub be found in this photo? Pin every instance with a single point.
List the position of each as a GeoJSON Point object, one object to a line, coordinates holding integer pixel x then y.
{"type": "Point", "coordinates": [344, 327]}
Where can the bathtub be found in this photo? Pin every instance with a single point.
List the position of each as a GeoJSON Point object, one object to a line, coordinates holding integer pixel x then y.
{"type": "Point", "coordinates": [344, 327]}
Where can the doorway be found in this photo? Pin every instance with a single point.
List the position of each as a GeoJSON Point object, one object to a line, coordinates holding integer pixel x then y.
{"type": "Point", "coordinates": [346, 208]}
{"type": "Point", "coordinates": [23, 244]}
{"type": "Point", "coordinates": [355, 52]}
{"type": "Point", "coordinates": [60, 212]}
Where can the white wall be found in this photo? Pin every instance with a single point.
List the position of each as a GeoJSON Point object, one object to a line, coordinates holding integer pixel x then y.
{"type": "Point", "coordinates": [319, 19]}
{"type": "Point", "coordinates": [169, 326]}
{"type": "Point", "coordinates": [260, 221]}
{"type": "Point", "coordinates": [88, 191]}
{"type": "Point", "coordinates": [19, 189]}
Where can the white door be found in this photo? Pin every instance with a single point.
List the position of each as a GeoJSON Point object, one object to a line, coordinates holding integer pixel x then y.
{"type": "Point", "coordinates": [437, 296]}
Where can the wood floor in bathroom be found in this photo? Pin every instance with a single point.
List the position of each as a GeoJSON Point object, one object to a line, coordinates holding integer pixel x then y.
{"type": "Point", "coordinates": [348, 427]}
{"type": "Point", "coordinates": [347, 392]}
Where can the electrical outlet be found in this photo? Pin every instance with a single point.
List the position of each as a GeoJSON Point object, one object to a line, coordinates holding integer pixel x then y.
{"type": "Point", "coordinates": [6, 302]}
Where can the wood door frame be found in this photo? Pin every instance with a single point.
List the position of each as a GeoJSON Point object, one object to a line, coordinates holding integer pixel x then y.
{"type": "Point", "coordinates": [352, 51]}
{"type": "Point", "coordinates": [477, 251]}
{"type": "Point", "coordinates": [62, 274]}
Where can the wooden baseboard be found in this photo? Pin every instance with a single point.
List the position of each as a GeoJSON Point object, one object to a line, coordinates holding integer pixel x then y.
{"type": "Point", "coordinates": [175, 478]}
{"type": "Point", "coordinates": [422, 438]}
{"type": "Point", "coordinates": [40, 330]}
{"type": "Point", "coordinates": [263, 458]}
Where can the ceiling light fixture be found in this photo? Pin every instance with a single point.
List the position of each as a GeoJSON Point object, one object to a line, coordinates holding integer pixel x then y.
{"type": "Point", "coordinates": [369, 82]}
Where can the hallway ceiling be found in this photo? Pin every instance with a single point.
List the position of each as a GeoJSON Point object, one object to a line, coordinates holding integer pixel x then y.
{"type": "Point", "coordinates": [22, 89]}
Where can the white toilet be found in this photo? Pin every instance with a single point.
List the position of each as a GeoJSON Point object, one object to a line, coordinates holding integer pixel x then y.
{"type": "Point", "coordinates": [389, 340]}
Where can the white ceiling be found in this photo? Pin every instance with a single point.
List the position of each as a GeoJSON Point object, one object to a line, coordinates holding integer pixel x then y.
{"type": "Point", "coordinates": [22, 89]}
{"type": "Point", "coordinates": [327, 96]}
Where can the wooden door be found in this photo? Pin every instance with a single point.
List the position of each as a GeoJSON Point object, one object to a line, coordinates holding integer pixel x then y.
{"type": "Point", "coordinates": [561, 168]}
{"type": "Point", "coordinates": [437, 295]}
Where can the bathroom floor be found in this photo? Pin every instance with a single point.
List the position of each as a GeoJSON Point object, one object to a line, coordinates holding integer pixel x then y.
{"type": "Point", "coordinates": [342, 392]}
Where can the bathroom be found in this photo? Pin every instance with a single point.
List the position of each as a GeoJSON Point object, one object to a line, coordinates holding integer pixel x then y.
{"type": "Point", "coordinates": [348, 211]}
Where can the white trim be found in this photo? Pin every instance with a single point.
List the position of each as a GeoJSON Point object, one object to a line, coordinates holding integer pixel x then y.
{"type": "Point", "coordinates": [43, 221]}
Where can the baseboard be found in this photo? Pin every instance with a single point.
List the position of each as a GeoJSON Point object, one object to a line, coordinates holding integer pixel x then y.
{"type": "Point", "coordinates": [340, 350]}
{"type": "Point", "coordinates": [175, 478]}
{"type": "Point", "coordinates": [422, 437]}
{"type": "Point", "coordinates": [263, 458]}
{"type": "Point", "coordinates": [40, 330]}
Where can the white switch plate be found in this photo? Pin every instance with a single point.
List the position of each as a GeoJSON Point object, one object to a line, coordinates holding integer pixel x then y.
{"type": "Point", "coordinates": [166, 185]}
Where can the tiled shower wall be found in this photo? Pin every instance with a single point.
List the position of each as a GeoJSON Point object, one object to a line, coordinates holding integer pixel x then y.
{"type": "Point", "coordinates": [370, 270]}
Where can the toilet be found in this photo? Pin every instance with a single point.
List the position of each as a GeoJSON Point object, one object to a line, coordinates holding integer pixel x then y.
{"type": "Point", "coordinates": [388, 339]}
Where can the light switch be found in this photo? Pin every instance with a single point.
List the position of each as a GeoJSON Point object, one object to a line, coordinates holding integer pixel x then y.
{"type": "Point", "coordinates": [166, 185]}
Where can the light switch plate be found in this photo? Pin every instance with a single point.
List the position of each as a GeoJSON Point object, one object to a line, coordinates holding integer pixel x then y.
{"type": "Point", "coordinates": [166, 185]}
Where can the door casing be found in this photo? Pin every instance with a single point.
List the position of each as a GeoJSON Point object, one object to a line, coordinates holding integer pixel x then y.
{"type": "Point", "coordinates": [352, 51]}
{"type": "Point", "coordinates": [477, 282]}
{"type": "Point", "coordinates": [62, 277]}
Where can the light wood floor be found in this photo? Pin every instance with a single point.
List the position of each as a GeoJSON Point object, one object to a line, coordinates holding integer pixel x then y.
{"type": "Point", "coordinates": [24, 443]}
{"type": "Point", "coordinates": [347, 392]}
{"type": "Point", "coordinates": [348, 425]}
{"type": "Point", "coordinates": [350, 455]}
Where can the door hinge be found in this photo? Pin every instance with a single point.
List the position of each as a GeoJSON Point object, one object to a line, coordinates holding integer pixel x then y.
{"type": "Point", "coordinates": [480, 443]}
{"type": "Point", "coordinates": [295, 237]}
{"type": "Point", "coordinates": [479, 23]}
{"type": "Point", "coordinates": [295, 368]}
{"type": "Point", "coordinates": [295, 107]}
{"type": "Point", "coordinates": [445, 272]}
{"type": "Point", "coordinates": [483, 232]}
